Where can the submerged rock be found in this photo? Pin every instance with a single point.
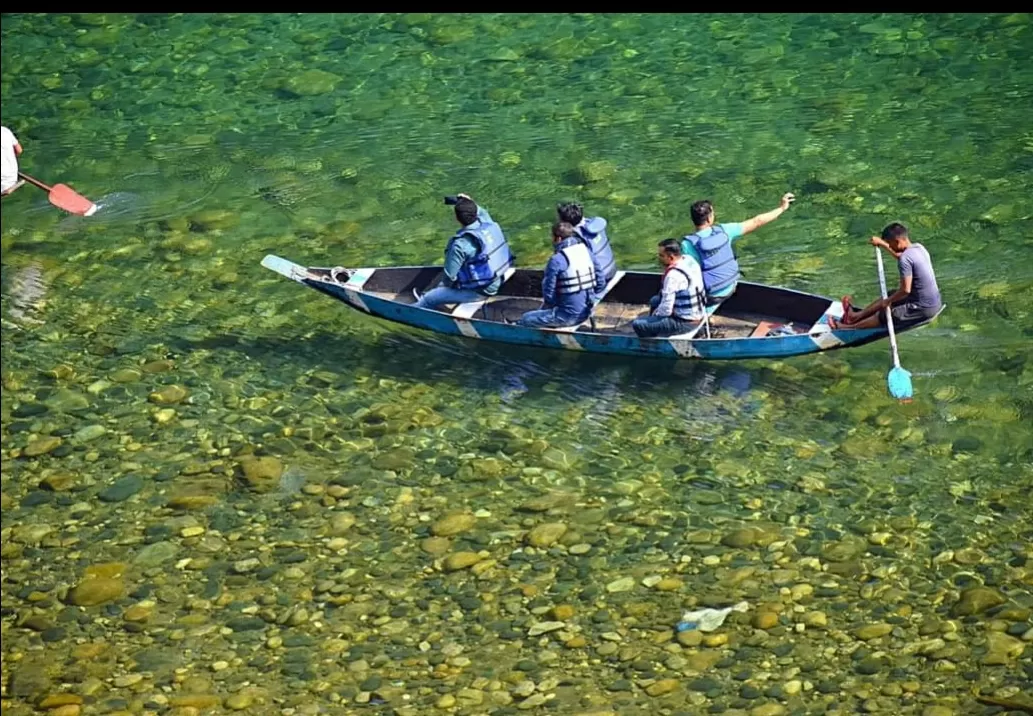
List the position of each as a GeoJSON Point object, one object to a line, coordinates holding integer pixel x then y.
{"type": "Point", "coordinates": [976, 600]}
{"type": "Point", "coordinates": [262, 474]}
{"type": "Point", "coordinates": [545, 535]}
{"type": "Point", "coordinates": [311, 83]}
{"type": "Point", "coordinates": [453, 524]}
{"type": "Point", "coordinates": [95, 590]}
{"type": "Point", "coordinates": [1002, 649]}
{"type": "Point", "coordinates": [41, 446]}
{"type": "Point", "coordinates": [460, 560]}
{"type": "Point", "coordinates": [169, 394]}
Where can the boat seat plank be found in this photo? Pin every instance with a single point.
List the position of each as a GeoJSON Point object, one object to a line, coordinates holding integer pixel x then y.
{"type": "Point", "coordinates": [467, 310]}
{"type": "Point", "coordinates": [592, 318]}
{"type": "Point", "coordinates": [470, 308]}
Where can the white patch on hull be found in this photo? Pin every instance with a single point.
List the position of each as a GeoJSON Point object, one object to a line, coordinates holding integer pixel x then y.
{"type": "Point", "coordinates": [466, 328]}
{"type": "Point", "coordinates": [568, 341]}
{"type": "Point", "coordinates": [826, 339]}
{"type": "Point", "coordinates": [355, 298]}
{"type": "Point", "coordinates": [683, 347]}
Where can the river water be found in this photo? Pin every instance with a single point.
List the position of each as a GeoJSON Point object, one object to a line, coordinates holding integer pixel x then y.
{"type": "Point", "coordinates": [223, 491]}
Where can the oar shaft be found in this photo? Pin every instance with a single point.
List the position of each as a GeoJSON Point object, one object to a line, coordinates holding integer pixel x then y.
{"type": "Point", "coordinates": [34, 182]}
{"type": "Point", "coordinates": [889, 309]}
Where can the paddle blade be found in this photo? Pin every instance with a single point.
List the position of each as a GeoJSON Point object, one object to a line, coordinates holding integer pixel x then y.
{"type": "Point", "coordinates": [64, 197]}
{"type": "Point", "coordinates": [899, 382]}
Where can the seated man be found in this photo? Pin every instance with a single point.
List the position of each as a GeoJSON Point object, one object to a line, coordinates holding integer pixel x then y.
{"type": "Point", "coordinates": [711, 246]}
{"type": "Point", "coordinates": [9, 151]}
{"type": "Point", "coordinates": [475, 258]}
{"type": "Point", "coordinates": [679, 306]}
{"type": "Point", "coordinates": [593, 232]}
{"type": "Point", "coordinates": [915, 300]}
{"type": "Point", "coordinates": [572, 276]}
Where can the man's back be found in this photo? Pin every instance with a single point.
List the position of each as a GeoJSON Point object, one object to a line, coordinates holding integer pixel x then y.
{"type": "Point", "coordinates": [916, 263]}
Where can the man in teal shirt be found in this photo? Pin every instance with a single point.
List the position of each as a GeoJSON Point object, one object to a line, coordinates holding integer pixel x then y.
{"type": "Point", "coordinates": [476, 259]}
{"type": "Point", "coordinates": [711, 246]}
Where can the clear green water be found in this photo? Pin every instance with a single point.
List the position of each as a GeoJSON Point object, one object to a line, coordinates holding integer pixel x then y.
{"type": "Point", "coordinates": [210, 146]}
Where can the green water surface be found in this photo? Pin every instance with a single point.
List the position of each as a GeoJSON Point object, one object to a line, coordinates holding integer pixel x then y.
{"type": "Point", "coordinates": [157, 381]}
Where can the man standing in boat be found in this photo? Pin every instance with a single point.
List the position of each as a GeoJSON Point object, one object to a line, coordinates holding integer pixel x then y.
{"type": "Point", "coordinates": [916, 299]}
{"type": "Point", "coordinates": [9, 151]}
{"type": "Point", "coordinates": [711, 246]}
{"type": "Point", "coordinates": [572, 276]}
{"type": "Point", "coordinates": [679, 306]}
{"type": "Point", "coordinates": [592, 231]}
{"type": "Point", "coordinates": [475, 258]}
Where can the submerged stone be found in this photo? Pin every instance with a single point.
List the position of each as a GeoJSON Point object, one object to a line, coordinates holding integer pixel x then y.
{"type": "Point", "coordinates": [156, 554]}
{"type": "Point", "coordinates": [976, 600]}
{"type": "Point", "coordinates": [545, 535]}
{"type": "Point", "coordinates": [311, 83]}
{"type": "Point", "coordinates": [451, 525]}
{"type": "Point", "coordinates": [460, 560]}
{"type": "Point", "coordinates": [122, 489]}
{"type": "Point", "coordinates": [41, 446]}
{"type": "Point", "coordinates": [64, 400]}
{"type": "Point", "coordinates": [93, 591]}
{"type": "Point", "coordinates": [169, 394]}
{"type": "Point", "coordinates": [262, 474]}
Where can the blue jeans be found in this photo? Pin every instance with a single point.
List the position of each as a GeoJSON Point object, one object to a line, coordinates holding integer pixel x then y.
{"type": "Point", "coordinates": [549, 318]}
{"type": "Point", "coordinates": [445, 294]}
{"type": "Point", "coordinates": [656, 326]}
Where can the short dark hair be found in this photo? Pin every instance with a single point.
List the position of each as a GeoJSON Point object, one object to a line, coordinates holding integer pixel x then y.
{"type": "Point", "coordinates": [562, 230]}
{"type": "Point", "coordinates": [701, 211]}
{"type": "Point", "coordinates": [671, 247]}
{"type": "Point", "coordinates": [466, 211]}
{"type": "Point", "coordinates": [894, 231]}
{"type": "Point", "coordinates": [570, 212]}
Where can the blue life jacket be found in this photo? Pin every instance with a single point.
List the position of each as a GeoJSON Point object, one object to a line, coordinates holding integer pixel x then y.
{"type": "Point", "coordinates": [580, 273]}
{"type": "Point", "coordinates": [688, 303]}
{"type": "Point", "coordinates": [717, 260]}
{"type": "Point", "coordinates": [593, 233]}
{"type": "Point", "coordinates": [492, 259]}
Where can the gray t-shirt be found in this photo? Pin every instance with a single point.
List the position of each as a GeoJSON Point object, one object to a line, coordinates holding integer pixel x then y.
{"type": "Point", "coordinates": [915, 262]}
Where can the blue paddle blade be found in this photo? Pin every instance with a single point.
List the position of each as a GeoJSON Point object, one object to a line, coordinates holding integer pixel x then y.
{"type": "Point", "coordinates": [899, 382]}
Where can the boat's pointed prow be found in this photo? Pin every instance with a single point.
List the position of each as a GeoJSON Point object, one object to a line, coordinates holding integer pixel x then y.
{"type": "Point", "coordinates": [284, 267]}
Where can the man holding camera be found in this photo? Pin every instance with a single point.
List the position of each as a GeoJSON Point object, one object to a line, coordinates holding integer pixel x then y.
{"type": "Point", "coordinates": [475, 258]}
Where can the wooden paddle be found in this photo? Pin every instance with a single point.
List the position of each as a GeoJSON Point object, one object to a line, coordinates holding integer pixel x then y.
{"type": "Point", "coordinates": [898, 380]}
{"type": "Point", "coordinates": [64, 197]}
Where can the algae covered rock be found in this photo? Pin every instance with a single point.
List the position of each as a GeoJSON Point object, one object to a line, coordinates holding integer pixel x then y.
{"type": "Point", "coordinates": [976, 600]}
{"type": "Point", "coordinates": [261, 474]}
{"type": "Point", "coordinates": [311, 83]}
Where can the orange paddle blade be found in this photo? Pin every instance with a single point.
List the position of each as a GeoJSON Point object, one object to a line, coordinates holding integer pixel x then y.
{"type": "Point", "coordinates": [64, 197]}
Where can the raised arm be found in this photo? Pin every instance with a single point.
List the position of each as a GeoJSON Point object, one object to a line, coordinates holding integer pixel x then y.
{"type": "Point", "coordinates": [767, 217]}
